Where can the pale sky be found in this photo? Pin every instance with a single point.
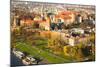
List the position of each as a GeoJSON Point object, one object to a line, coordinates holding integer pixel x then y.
{"type": "Point", "coordinates": [84, 2]}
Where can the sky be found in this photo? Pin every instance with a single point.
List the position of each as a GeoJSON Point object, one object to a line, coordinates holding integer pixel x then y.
{"type": "Point", "coordinates": [83, 2]}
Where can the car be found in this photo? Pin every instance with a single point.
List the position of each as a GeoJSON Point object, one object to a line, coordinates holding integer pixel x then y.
{"type": "Point", "coordinates": [26, 61]}
{"type": "Point", "coordinates": [29, 60]}
{"type": "Point", "coordinates": [19, 54]}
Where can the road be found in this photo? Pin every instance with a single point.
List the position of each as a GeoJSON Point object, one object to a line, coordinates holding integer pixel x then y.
{"type": "Point", "coordinates": [15, 61]}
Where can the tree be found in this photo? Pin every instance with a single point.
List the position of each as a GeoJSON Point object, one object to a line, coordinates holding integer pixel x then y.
{"type": "Point", "coordinates": [66, 50]}
{"type": "Point", "coordinates": [26, 54]}
{"type": "Point", "coordinates": [38, 60]}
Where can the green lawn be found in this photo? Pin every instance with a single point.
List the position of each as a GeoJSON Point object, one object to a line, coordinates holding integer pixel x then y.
{"type": "Point", "coordinates": [34, 51]}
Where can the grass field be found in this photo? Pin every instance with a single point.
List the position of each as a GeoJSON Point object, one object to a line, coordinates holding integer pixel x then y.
{"type": "Point", "coordinates": [38, 52]}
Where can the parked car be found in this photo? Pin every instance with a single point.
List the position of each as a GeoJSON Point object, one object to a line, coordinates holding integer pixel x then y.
{"type": "Point", "coordinates": [29, 60]}
{"type": "Point", "coordinates": [26, 61]}
{"type": "Point", "coordinates": [19, 54]}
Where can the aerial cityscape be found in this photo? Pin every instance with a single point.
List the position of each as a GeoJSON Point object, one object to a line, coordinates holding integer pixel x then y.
{"type": "Point", "coordinates": [51, 33]}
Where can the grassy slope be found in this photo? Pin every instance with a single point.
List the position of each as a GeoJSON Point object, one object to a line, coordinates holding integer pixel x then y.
{"type": "Point", "coordinates": [34, 51]}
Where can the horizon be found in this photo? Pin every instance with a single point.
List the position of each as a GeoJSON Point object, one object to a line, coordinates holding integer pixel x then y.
{"type": "Point", "coordinates": [79, 2]}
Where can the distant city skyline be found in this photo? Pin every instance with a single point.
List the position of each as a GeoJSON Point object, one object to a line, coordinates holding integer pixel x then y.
{"type": "Point", "coordinates": [84, 2]}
